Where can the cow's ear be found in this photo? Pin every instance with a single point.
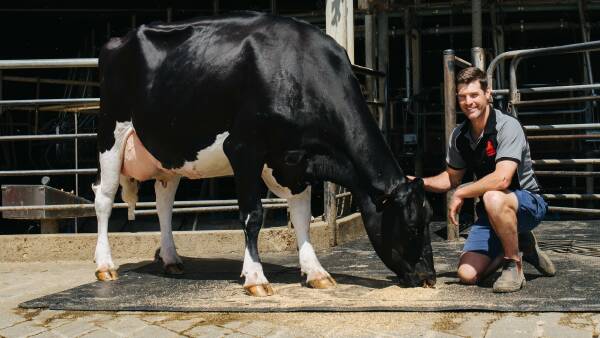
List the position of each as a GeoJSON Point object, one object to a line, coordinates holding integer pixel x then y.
{"type": "Point", "coordinates": [402, 195]}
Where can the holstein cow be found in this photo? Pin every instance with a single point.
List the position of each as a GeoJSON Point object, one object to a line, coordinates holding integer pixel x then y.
{"type": "Point", "coordinates": [251, 95]}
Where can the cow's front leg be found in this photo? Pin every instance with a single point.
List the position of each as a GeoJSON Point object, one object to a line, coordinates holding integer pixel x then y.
{"type": "Point", "coordinates": [247, 162]}
{"type": "Point", "coordinates": [165, 195]}
{"type": "Point", "coordinates": [299, 206]}
{"type": "Point", "coordinates": [316, 276]}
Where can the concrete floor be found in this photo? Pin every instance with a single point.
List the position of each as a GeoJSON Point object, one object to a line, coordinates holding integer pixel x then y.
{"type": "Point", "coordinates": [24, 281]}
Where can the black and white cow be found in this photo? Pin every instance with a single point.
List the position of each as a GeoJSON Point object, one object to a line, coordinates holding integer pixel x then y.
{"type": "Point", "coordinates": [251, 95]}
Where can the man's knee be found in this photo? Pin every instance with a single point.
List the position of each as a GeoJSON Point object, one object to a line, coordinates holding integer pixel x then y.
{"type": "Point", "coordinates": [496, 201]}
{"type": "Point", "coordinates": [467, 274]}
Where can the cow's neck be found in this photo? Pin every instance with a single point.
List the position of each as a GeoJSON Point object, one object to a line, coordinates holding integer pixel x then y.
{"type": "Point", "coordinates": [378, 171]}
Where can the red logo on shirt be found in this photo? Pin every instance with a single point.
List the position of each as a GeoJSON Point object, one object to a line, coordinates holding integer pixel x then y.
{"type": "Point", "coordinates": [489, 149]}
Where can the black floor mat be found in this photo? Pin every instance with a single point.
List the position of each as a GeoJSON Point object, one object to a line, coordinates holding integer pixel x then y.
{"type": "Point", "coordinates": [364, 284]}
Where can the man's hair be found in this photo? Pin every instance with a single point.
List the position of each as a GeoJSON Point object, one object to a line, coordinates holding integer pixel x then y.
{"type": "Point", "coordinates": [471, 74]}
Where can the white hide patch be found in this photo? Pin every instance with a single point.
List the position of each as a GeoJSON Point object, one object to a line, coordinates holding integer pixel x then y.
{"type": "Point", "coordinates": [141, 165]}
{"type": "Point", "coordinates": [210, 162]}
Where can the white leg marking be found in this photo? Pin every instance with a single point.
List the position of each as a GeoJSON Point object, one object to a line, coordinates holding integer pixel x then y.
{"type": "Point", "coordinates": [252, 271]}
{"type": "Point", "coordinates": [165, 195]}
{"type": "Point", "coordinates": [110, 169]}
{"type": "Point", "coordinates": [300, 215]}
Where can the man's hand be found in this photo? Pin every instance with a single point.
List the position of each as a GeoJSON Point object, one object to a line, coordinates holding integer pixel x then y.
{"type": "Point", "coordinates": [454, 208]}
{"type": "Point", "coordinates": [410, 178]}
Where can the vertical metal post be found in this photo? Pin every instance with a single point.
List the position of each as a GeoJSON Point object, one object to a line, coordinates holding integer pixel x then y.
{"type": "Point", "coordinates": [169, 14]}
{"type": "Point", "coordinates": [514, 95]}
{"type": "Point", "coordinates": [215, 7]}
{"type": "Point", "coordinates": [478, 58]}
{"type": "Point", "coordinates": [370, 57]}
{"type": "Point", "coordinates": [133, 21]}
{"type": "Point", "coordinates": [273, 7]}
{"type": "Point", "coordinates": [498, 42]}
{"type": "Point", "coordinates": [589, 78]}
{"type": "Point", "coordinates": [76, 162]}
{"type": "Point", "coordinates": [335, 26]}
{"type": "Point", "coordinates": [449, 122]}
{"type": "Point", "coordinates": [476, 23]}
{"type": "Point", "coordinates": [382, 65]}
{"type": "Point", "coordinates": [420, 120]}
{"type": "Point", "coordinates": [407, 59]}
{"type": "Point", "coordinates": [350, 29]}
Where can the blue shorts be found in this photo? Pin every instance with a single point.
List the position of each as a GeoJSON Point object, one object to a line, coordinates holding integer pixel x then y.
{"type": "Point", "coordinates": [482, 238]}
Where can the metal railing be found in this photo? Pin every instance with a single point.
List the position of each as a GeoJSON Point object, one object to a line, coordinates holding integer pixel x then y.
{"type": "Point", "coordinates": [335, 208]}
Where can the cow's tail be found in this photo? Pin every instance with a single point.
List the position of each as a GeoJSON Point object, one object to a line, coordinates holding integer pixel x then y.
{"type": "Point", "coordinates": [129, 194]}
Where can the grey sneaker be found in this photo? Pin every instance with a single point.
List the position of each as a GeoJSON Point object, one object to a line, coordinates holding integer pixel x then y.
{"type": "Point", "coordinates": [511, 279]}
{"type": "Point", "coordinates": [533, 255]}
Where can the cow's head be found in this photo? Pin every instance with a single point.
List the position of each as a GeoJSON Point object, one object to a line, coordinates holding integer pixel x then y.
{"type": "Point", "coordinates": [405, 243]}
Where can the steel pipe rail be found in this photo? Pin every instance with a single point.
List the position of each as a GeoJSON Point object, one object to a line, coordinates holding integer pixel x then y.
{"type": "Point", "coordinates": [567, 173]}
{"type": "Point", "coordinates": [47, 137]}
{"type": "Point", "coordinates": [574, 210]}
{"type": "Point", "coordinates": [579, 126]}
{"type": "Point", "coordinates": [47, 101]}
{"type": "Point", "coordinates": [7, 173]}
{"type": "Point", "coordinates": [571, 196]}
{"type": "Point", "coordinates": [207, 209]}
{"type": "Point", "coordinates": [367, 71]}
{"type": "Point", "coordinates": [563, 137]}
{"type": "Point", "coordinates": [556, 101]}
{"type": "Point", "coordinates": [572, 161]}
{"type": "Point", "coordinates": [209, 203]}
{"type": "Point", "coordinates": [25, 79]}
{"type": "Point", "coordinates": [49, 63]}
{"type": "Point", "coordinates": [549, 89]}
{"type": "Point", "coordinates": [572, 48]}
{"type": "Point", "coordinates": [461, 62]}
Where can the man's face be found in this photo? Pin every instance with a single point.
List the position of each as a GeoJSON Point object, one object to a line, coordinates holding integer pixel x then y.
{"type": "Point", "coordinates": [473, 100]}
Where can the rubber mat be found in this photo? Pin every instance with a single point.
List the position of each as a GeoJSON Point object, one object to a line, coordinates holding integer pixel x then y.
{"type": "Point", "coordinates": [364, 284]}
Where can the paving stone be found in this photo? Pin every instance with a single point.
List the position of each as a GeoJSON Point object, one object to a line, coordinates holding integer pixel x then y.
{"type": "Point", "coordinates": [512, 326]}
{"type": "Point", "coordinates": [75, 328]}
{"type": "Point", "coordinates": [256, 327]}
{"type": "Point", "coordinates": [154, 331]}
{"type": "Point", "coordinates": [286, 332]}
{"type": "Point", "coordinates": [100, 333]}
{"type": "Point", "coordinates": [437, 334]}
{"type": "Point", "coordinates": [179, 325]}
{"type": "Point", "coordinates": [124, 325]}
{"type": "Point", "coordinates": [24, 329]}
{"type": "Point", "coordinates": [209, 331]}
{"type": "Point", "coordinates": [154, 318]}
{"type": "Point", "coordinates": [47, 334]}
{"type": "Point", "coordinates": [8, 318]}
{"type": "Point", "coordinates": [235, 324]}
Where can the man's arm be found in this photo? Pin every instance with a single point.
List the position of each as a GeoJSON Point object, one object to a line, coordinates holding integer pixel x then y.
{"type": "Point", "coordinates": [498, 180]}
{"type": "Point", "coordinates": [446, 180]}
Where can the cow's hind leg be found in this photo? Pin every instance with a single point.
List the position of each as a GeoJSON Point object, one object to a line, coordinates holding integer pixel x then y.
{"type": "Point", "coordinates": [299, 205]}
{"type": "Point", "coordinates": [165, 195]}
{"type": "Point", "coordinates": [247, 165]}
{"type": "Point", "coordinates": [105, 190]}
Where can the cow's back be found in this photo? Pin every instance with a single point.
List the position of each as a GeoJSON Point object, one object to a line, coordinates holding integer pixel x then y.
{"type": "Point", "coordinates": [254, 76]}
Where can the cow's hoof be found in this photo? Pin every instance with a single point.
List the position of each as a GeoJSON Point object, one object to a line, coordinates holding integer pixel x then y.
{"type": "Point", "coordinates": [104, 276]}
{"type": "Point", "coordinates": [322, 283]}
{"type": "Point", "coordinates": [260, 290]}
{"type": "Point", "coordinates": [174, 269]}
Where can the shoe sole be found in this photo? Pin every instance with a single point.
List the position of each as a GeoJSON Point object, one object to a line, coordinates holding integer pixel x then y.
{"type": "Point", "coordinates": [507, 290]}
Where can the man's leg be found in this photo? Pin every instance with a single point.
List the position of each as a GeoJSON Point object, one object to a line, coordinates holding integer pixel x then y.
{"type": "Point", "coordinates": [482, 253]}
{"type": "Point", "coordinates": [474, 267]}
{"type": "Point", "coordinates": [501, 208]}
